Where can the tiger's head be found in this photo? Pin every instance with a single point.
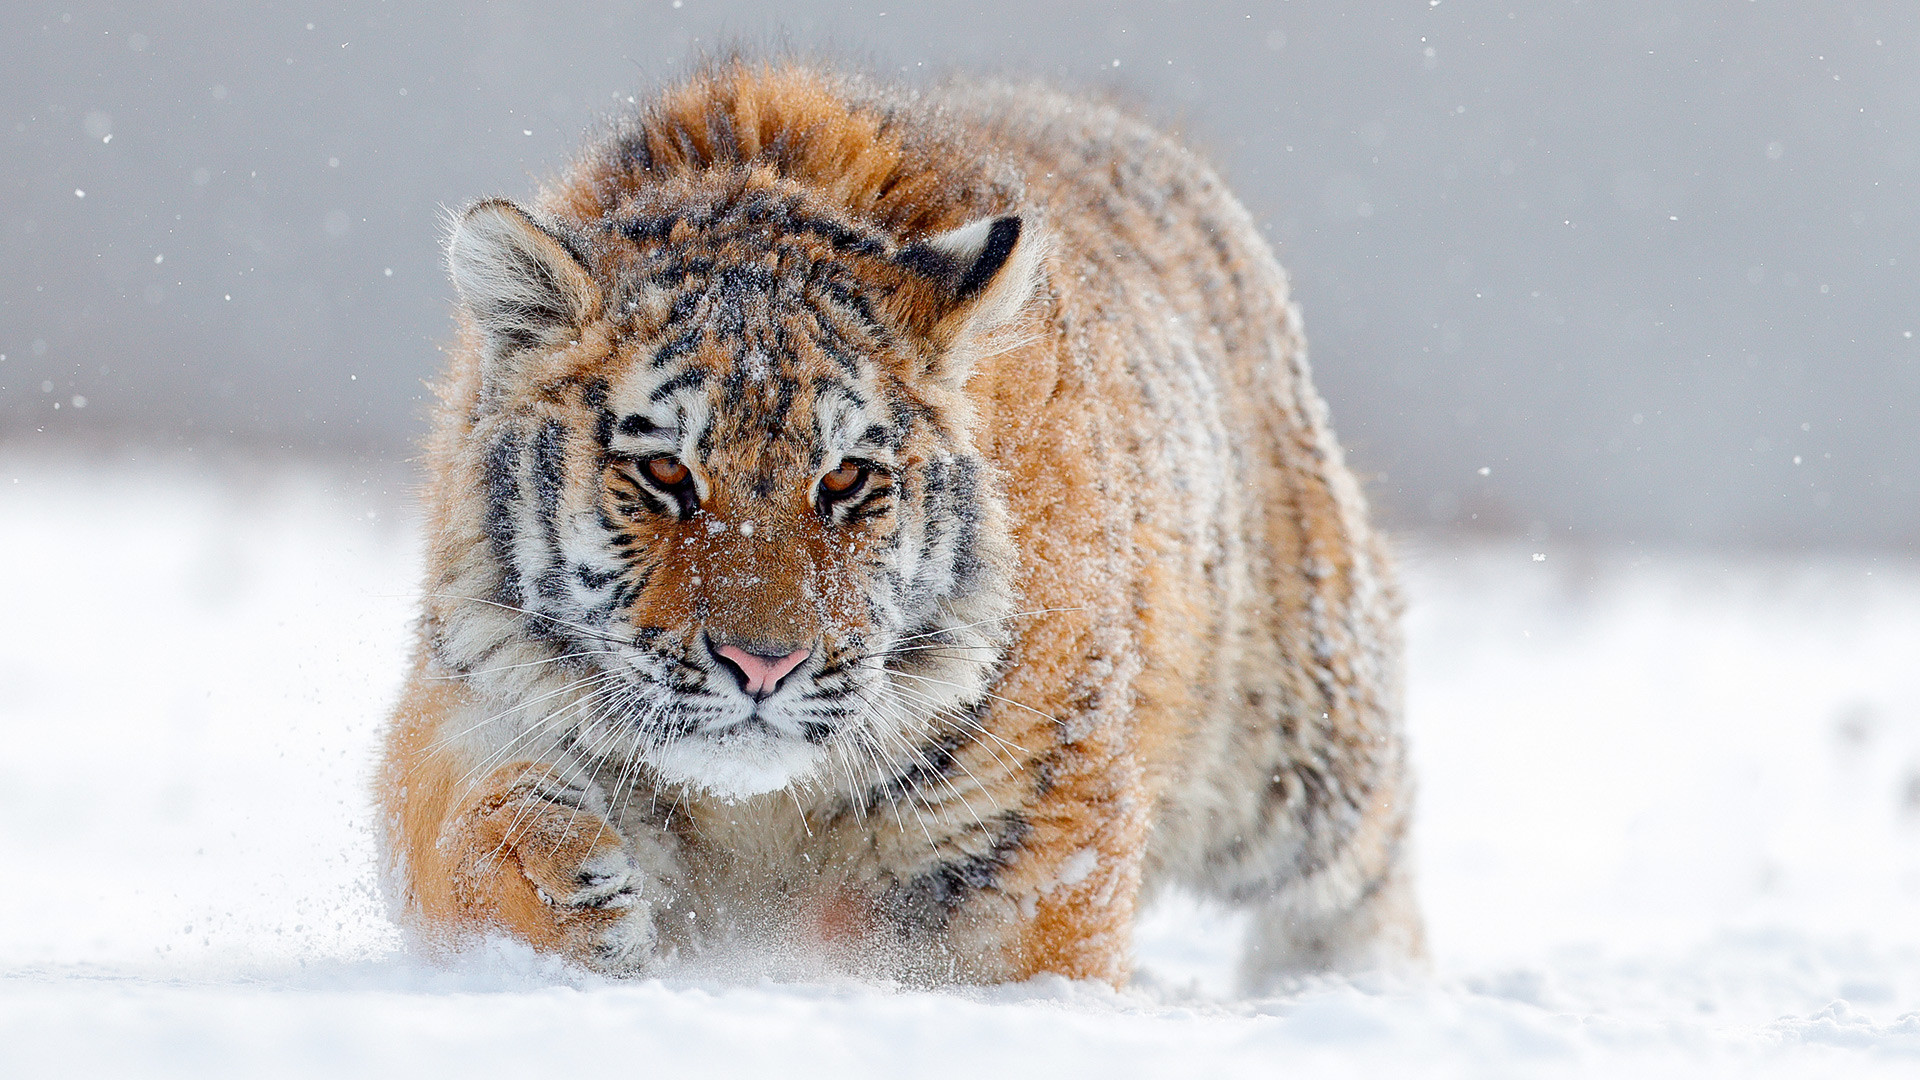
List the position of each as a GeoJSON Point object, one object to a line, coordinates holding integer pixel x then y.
{"type": "Point", "coordinates": [728, 509]}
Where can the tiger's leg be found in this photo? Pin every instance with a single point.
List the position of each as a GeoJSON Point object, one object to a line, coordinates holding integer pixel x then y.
{"type": "Point", "coordinates": [1047, 910]}
{"type": "Point", "coordinates": [525, 847]}
{"type": "Point", "coordinates": [1356, 912]}
{"type": "Point", "coordinates": [1053, 887]}
{"type": "Point", "coordinates": [1299, 933]}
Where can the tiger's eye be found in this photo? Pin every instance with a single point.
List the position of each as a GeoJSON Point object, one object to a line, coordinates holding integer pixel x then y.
{"type": "Point", "coordinates": [844, 479]}
{"type": "Point", "coordinates": [668, 472]}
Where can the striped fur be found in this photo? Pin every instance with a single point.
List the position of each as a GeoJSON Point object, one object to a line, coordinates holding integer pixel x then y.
{"type": "Point", "coordinates": [1101, 612]}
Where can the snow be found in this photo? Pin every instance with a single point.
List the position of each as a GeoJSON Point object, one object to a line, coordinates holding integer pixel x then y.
{"type": "Point", "coordinates": [1669, 826]}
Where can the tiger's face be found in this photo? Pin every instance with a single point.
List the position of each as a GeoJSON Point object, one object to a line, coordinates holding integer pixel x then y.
{"type": "Point", "coordinates": [730, 483]}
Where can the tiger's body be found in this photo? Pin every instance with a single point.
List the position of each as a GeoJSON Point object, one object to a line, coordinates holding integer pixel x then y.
{"type": "Point", "coordinates": [898, 527]}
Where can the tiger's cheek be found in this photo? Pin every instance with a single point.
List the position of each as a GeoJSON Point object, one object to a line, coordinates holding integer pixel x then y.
{"type": "Point", "coordinates": [665, 582]}
{"type": "Point", "coordinates": [853, 583]}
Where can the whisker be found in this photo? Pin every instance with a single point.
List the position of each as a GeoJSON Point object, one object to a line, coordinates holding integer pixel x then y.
{"type": "Point", "coordinates": [875, 770]}
{"type": "Point", "coordinates": [952, 788]}
{"type": "Point", "coordinates": [800, 810]}
{"type": "Point", "coordinates": [916, 797]}
{"type": "Point", "coordinates": [842, 753]}
{"type": "Point", "coordinates": [530, 663]}
{"type": "Point", "coordinates": [580, 683]}
{"type": "Point", "coordinates": [526, 806]}
{"type": "Point", "coordinates": [935, 645]}
{"type": "Point", "coordinates": [984, 622]}
{"type": "Point", "coordinates": [540, 726]}
{"type": "Point", "coordinates": [587, 756]}
{"type": "Point", "coordinates": [962, 719]}
{"type": "Point", "coordinates": [597, 635]}
{"type": "Point", "coordinates": [630, 769]}
{"type": "Point", "coordinates": [586, 680]}
{"type": "Point", "coordinates": [622, 701]}
{"type": "Point", "coordinates": [987, 693]}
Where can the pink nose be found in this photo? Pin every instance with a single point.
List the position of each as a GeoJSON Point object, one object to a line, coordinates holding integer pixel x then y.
{"type": "Point", "coordinates": [762, 673]}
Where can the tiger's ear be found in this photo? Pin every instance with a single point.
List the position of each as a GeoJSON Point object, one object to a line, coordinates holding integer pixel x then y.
{"type": "Point", "coordinates": [968, 281]}
{"type": "Point", "coordinates": [521, 286]}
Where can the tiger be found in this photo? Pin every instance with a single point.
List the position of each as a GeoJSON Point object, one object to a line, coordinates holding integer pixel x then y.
{"type": "Point", "coordinates": [894, 525]}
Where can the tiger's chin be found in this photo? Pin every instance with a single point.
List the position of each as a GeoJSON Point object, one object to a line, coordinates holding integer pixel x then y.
{"type": "Point", "coordinates": [748, 760]}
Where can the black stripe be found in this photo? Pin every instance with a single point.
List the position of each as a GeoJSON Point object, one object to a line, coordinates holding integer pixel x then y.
{"type": "Point", "coordinates": [595, 580]}
{"type": "Point", "coordinates": [876, 504]}
{"type": "Point", "coordinates": [860, 307]}
{"type": "Point", "coordinates": [641, 229]}
{"type": "Point", "coordinates": [503, 493]}
{"type": "Point", "coordinates": [927, 901]}
{"type": "Point", "coordinates": [935, 761]}
{"type": "Point", "coordinates": [835, 347]}
{"type": "Point", "coordinates": [679, 347]}
{"type": "Point", "coordinates": [689, 379]}
{"type": "Point", "coordinates": [823, 386]}
{"type": "Point", "coordinates": [680, 269]}
{"type": "Point", "coordinates": [594, 394]}
{"type": "Point", "coordinates": [630, 498]}
{"type": "Point", "coordinates": [633, 151]}
{"type": "Point", "coordinates": [738, 280]}
{"type": "Point", "coordinates": [963, 509]}
{"type": "Point", "coordinates": [684, 307]}
{"type": "Point", "coordinates": [548, 475]}
{"type": "Point", "coordinates": [838, 236]}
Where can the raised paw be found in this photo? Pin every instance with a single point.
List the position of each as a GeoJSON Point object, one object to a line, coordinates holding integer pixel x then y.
{"type": "Point", "coordinates": [544, 862]}
{"type": "Point", "coordinates": [601, 905]}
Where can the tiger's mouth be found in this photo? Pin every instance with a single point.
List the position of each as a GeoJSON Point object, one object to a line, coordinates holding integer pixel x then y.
{"type": "Point", "coordinates": [745, 758]}
{"type": "Point", "coordinates": [760, 725]}
{"type": "Point", "coordinates": [838, 714]}
{"type": "Point", "coordinates": [702, 727]}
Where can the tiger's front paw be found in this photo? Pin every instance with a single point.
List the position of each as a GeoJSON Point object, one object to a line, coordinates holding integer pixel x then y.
{"type": "Point", "coordinates": [601, 906]}
{"type": "Point", "coordinates": [551, 868]}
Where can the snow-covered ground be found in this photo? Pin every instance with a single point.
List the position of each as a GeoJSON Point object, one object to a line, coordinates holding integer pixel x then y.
{"type": "Point", "coordinates": [1669, 825]}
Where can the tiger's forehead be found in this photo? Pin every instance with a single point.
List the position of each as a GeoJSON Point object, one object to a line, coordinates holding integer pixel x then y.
{"type": "Point", "coordinates": [749, 371]}
{"type": "Point", "coordinates": [751, 318]}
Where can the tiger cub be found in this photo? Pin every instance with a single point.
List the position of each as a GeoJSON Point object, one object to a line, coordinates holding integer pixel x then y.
{"type": "Point", "coordinates": [896, 527]}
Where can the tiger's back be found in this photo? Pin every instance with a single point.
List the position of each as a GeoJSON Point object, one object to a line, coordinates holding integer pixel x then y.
{"type": "Point", "coordinates": [1113, 620]}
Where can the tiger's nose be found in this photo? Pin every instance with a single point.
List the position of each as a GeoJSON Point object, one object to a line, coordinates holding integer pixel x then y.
{"type": "Point", "coordinates": [759, 674]}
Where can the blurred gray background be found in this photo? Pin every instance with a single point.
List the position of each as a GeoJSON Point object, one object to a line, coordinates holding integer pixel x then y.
{"type": "Point", "coordinates": [1625, 271]}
